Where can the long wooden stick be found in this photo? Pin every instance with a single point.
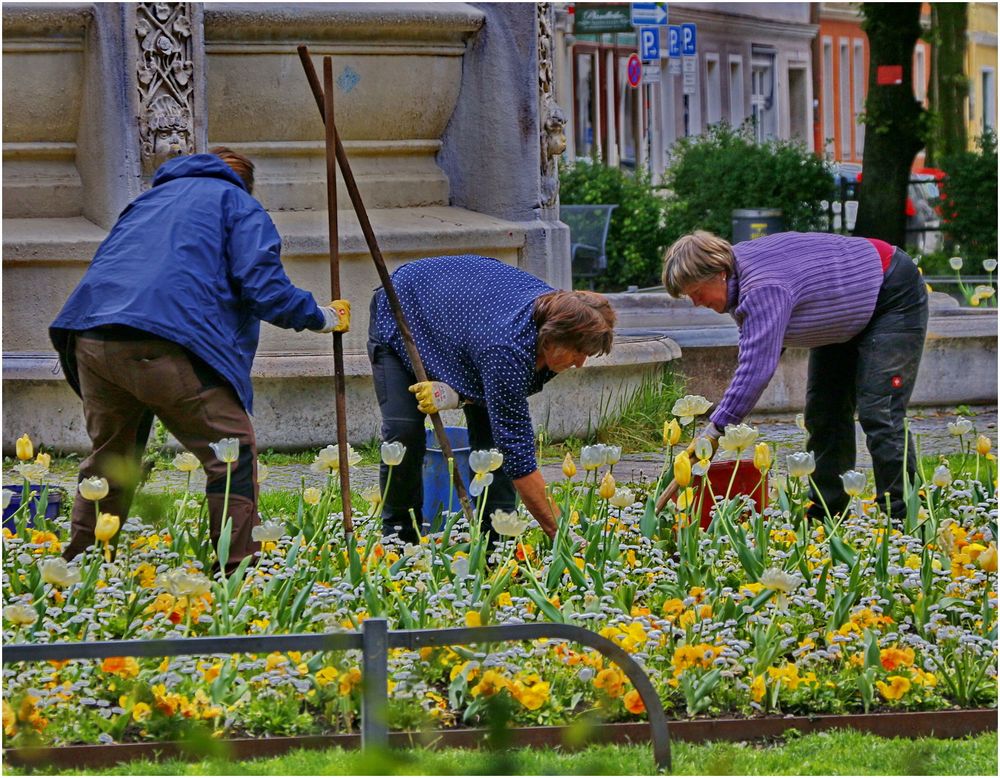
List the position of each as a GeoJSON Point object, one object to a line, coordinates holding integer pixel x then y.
{"type": "Point", "coordinates": [383, 273]}
{"type": "Point", "coordinates": [338, 337]}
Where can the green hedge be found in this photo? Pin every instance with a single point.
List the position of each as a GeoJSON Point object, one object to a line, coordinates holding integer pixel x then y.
{"type": "Point", "coordinates": [969, 203]}
{"type": "Point", "coordinates": [713, 174]}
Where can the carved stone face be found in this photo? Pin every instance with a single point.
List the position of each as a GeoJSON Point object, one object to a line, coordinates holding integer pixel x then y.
{"type": "Point", "coordinates": [168, 142]}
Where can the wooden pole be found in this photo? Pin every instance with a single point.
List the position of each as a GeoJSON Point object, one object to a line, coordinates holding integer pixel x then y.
{"type": "Point", "coordinates": [338, 337]}
{"type": "Point", "coordinates": [383, 273]}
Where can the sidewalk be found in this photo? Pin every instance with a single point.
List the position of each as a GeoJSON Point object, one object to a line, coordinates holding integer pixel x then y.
{"type": "Point", "coordinates": [930, 427]}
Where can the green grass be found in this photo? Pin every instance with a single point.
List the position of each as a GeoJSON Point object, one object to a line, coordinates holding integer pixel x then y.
{"type": "Point", "coordinates": [832, 753]}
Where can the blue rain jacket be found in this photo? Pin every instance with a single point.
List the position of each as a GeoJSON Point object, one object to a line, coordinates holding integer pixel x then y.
{"type": "Point", "coordinates": [195, 260]}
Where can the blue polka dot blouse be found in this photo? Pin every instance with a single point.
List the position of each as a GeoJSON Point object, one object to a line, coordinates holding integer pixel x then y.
{"type": "Point", "coordinates": [471, 318]}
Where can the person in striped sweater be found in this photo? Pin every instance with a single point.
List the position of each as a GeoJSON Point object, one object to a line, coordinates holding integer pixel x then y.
{"type": "Point", "coordinates": [858, 304]}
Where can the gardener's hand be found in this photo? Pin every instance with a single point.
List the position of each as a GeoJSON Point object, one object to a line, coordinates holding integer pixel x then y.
{"type": "Point", "coordinates": [435, 396]}
{"type": "Point", "coordinates": [336, 317]}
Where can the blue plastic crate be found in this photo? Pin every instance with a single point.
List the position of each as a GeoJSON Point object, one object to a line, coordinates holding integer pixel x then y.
{"type": "Point", "coordinates": [437, 478]}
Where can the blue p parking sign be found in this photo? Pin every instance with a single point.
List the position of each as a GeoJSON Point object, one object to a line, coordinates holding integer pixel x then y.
{"type": "Point", "coordinates": [674, 40]}
{"type": "Point", "coordinates": [649, 43]}
{"type": "Point", "coordinates": [688, 40]}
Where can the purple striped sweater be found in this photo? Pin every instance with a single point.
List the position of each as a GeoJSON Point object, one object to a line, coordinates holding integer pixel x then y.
{"type": "Point", "coordinates": [801, 289]}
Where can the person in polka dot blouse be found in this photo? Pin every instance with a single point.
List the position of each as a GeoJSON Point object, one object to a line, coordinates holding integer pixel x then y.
{"type": "Point", "coordinates": [489, 335]}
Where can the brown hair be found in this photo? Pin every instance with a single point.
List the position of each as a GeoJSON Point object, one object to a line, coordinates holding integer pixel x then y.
{"type": "Point", "coordinates": [241, 165]}
{"type": "Point", "coordinates": [583, 321]}
{"type": "Point", "coordinates": [695, 258]}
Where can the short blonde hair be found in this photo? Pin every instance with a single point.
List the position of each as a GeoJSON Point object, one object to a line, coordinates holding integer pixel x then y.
{"type": "Point", "coordinates": [695, 258]}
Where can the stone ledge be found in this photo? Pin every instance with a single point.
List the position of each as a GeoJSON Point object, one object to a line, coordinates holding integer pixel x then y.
{"type": "Point", "coordinates": [402, 231]}
{"type": "Point", "coordinates": [294, 22]}
{"type": "Point", "coordinates": [45, 20]}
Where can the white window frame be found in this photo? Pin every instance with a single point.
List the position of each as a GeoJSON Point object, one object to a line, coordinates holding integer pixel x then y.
{"type": "Point", "coordinates": [829, 118]}
{"type": "Point", "coordinates": [989, 97]}
{"type": "Point", "coordinates": [713, 90]}
{"type": "Point", "coordinates": [737, 104]}
{"type": "Point", "coordinates": [844, 97]}
{"type": "Point", "coordinates": [858, 88]}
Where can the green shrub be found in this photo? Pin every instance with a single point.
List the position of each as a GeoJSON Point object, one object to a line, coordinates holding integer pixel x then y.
{"type": "Point", "coordinates": [636, 235]}
{"type": "Point", "coordinates": [713, 174]}
{"type": "Point", "coordinates": [969, 204]}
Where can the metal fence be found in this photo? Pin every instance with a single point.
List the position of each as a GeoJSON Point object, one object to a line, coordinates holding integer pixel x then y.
{"type": "Point", "coordinates": [374, 641]}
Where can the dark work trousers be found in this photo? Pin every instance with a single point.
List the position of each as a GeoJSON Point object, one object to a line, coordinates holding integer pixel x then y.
{"type": "Point", "coordinates": [124, 381]}
{"type": "Point", "coordinates": [873, 374]}
{"type": "Point", "coordinates": [402, 421]}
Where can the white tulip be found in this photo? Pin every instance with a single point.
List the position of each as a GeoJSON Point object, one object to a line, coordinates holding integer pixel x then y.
{"type": "Point", "coordinates": [510, 524]}
{"type": "Point", "coordinates": [226, 450]}
{"type": "Point", "coordinates": [186, 462]}
{"type": "Point", "coordinates": [479, 483]}
{"type": "Point", "coordinates": [8, 495]}
{"type": "Point", "coordinates": [961, 427]}
{"type": "Point", "coordinates": [613, 454]}
{"type": "Point", "coordinates": [955, 263]}
{"type": "Point", "coordinates": [941, 477]}
{"type": "Point", "coordinates": [270, 531]}
{"type": "Point", "coordinates": [393, 453]}
{"type": "Point", "coordinates": [989, 265]}
{"type": "Point", "coordinates": [689, 406]}
{"type": "Point", "coordinates": [93, 488]}
{"type": "Point", "coordinates": [738, 437]}
{"type": "Point", "coordinates": [329, 459]}
{"type": "Point", "coordinates": [854, 482]}
{"type": "Point", "coordinates": [592, 457]}
{"type": "Point", "coordinates": [800, 464]}
{"type": "Point", "coordinates": [57, 572]}
{"type": "Point", "coordinates": [20, 615]}
{"type": "Point", "coordinates": [622, 498]}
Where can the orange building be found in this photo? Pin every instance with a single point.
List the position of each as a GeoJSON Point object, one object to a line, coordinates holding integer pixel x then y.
{"type": "Point", "coordinates": [841, 73]}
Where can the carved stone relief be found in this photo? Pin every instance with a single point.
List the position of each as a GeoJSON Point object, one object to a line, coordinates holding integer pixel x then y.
{"type": "Point", "coordinates": [164, 71]}
{"type": "Point", "coordinates": [551, 118]}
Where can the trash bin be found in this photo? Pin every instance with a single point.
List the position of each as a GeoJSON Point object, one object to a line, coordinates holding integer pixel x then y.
{"type": "Point", "coordinates": [750, 223]}
{"type": "Point", "coordinates": [436, 477]}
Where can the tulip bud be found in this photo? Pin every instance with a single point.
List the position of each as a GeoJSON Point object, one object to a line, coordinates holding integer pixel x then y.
{"type": "Point", "coordinates": [671, 433]}
{"type": "Point", "coordinates": [682, 469]}
{"type": "Point", "coordinates": [106, 527]}
{"type": "Point", "coordinates": [762, 457]}
{"type": "Point", "coordinates": [569, 466]}
{"type": "Point", "coordinates": [983, 445]}
{"type": "Point", "coordinates": [25, 450]}
{"type": "Point", "coordinates": [607, 487]}
{"type": "Point", "coordinates": [311, 496]}
{"type": "Point", "coordinates": [45, 460]}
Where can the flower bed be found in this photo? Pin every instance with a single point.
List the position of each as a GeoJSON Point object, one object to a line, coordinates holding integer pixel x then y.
{"type": "Point", "coordinates": [762, 613]}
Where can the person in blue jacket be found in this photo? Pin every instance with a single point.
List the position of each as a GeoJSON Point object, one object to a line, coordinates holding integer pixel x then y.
{"type": "Point", "coordinates": [165, 322]}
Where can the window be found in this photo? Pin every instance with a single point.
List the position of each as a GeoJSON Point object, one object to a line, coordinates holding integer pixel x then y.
{"type": "Point", "coordinates": [844, 95]}
{"type": "Point", "coordinates": [920, 74]}
{"type": "Point", "coordinates": [736, 110]}
{"type": "Point", "coordinates": [762, 102]}
{"type": "Point", "coordinates": [798, 105]}
{"type": "Point", "coordinates": [989, 98]}
{"type": "Point", "coordinates": [713, 89]}
{"type": "Point", "coordinates": [859, 98]}
{"type": "Point", "coordinates": [828, 130]}
{"type": "Point", "coordinates": [586, 104]}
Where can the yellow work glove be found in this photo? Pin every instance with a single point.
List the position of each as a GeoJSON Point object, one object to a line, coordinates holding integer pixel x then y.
{"type": "Point", "coordinates": [435, 396]}
{"type": "Point", "coordinates": [336, 317]}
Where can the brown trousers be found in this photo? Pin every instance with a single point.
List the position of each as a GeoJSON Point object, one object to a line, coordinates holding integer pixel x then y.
{"type": "Point", "coordinates": [123, 383]}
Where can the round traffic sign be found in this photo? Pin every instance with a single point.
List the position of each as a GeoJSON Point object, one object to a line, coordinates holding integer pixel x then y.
{"type": "Point", "coordinates": [634, 70]}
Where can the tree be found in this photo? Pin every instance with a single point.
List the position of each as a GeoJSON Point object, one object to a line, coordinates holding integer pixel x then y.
{"type": "Point", "coordinates": [949, 84]}
{"type": "Point", "coordinates": [894, 120]}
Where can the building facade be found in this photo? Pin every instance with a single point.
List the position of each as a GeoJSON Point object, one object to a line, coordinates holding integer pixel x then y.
{"type": "Point", "coordinates": [981, 68]}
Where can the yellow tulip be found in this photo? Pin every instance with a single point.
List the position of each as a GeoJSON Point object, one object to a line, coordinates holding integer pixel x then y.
{"type": "Point", "coordinates": [983, 445]}
{"type": "Point", "coordinates": [607, 488]}
{"type": "Point", "coordinates": [45, 460]}
{"type": "Point", "coordinates": [569, 466]}
{"type": "Point", "coordinates": [682, 469]}
{"type": "Point", "coordinates": [671, 433]}
{"type": "Point", "coordinates": [106, 527]}
{"type": "Point", "coordinates": [987, 559]}
{"type": "Point", "coordinates": [762, 457]}
{"type": "Point", "coordinates": [25, 450]}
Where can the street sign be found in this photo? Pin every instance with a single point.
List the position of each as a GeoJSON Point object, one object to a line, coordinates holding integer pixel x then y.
{"type": "Point", "coordinates": [601, 18]}
{"type": "Point", "coordinates": [651, 72]}
{"type": "Point", "coordinates": [649, 43]}
{"type": "Point", "coordinates": [634, 70]}
{"type": "Point", "coordinates": [674, 66]}
{"type": "Point", "coordinates": [674, 40]}
{"type": "Point", "coordinates": [690, 84]}
{"type": "Point", "coordinates": [688, 40]}
{"type": "Point", "coordinates": [647, 13]}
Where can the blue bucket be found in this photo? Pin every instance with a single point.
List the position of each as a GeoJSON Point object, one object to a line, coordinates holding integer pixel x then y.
{"type": "Point", "coordinates": [437, 479]}
{"type": "Point", "coordinates": [51, 509]}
